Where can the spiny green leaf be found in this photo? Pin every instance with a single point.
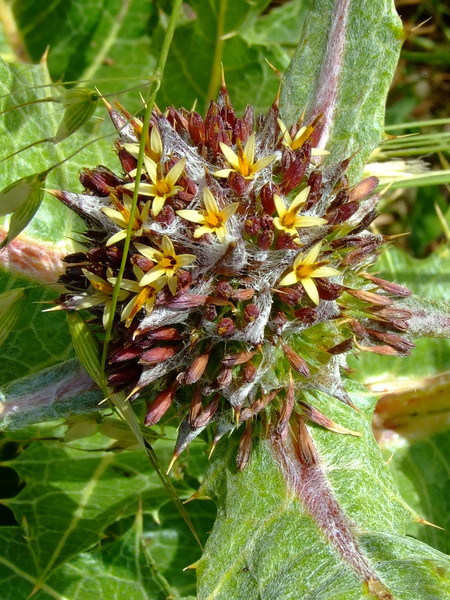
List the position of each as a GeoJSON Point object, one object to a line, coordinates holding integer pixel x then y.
{"type": "Point", "coordinates": [342, 70]}
{"type": "Point", "coordinates": [280, 545]}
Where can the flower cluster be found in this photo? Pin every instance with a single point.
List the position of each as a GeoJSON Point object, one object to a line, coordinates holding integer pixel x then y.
{"type": "Point", "coordinates": [246, 281]}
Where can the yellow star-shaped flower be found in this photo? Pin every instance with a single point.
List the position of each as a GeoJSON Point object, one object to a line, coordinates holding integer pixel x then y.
{"type": "Point", "coordinates": [154, 150]}
{"type": "Point", "coordinates": [305, 269]}
{"type": "Point", "coordinates": [288, 219]}
{"type": "Point", "coordinates": [243, 162]}
{"type": "Point", "coordinates": [211, 218]}
{"type": "Point", "coordinates": [102, 295]}
{"type": "Point", "coordinates": [144, 297]}
{"type": "Point", "coordinates": [167, 263]}
{"type": "Point", "coordinates": [162, 186]}
{"type": "Point", "coordinates": [121, 217]}
{"type": "Point", "coordinates": [303, 134]}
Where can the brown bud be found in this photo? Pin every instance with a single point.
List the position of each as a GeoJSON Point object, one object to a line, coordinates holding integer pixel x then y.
{"type": "Point", "coordinates": [99, 180]}
{"type": "Point", "coordinates": [242, 294]}
{"type": "Point", "coordinates": [306, 315]}
{"type": "Point", "coordinates": [166, 216]}
{"type": "Point", "coordinates": [398, 342]}
{"type": "Point", "coordinates": [77, 257]}
{"type": "Point", "coordinates": [122, 354]}
{"type": "Point", "coordinates": [245, 447]}
{"type": "Point", "coordinates": [127, 161]}
{"type": "Point", "coordinates": [304, 446]}
{"type": "Point", "coordinates": [363, 189]}
{"type": "Point", "coordinates": [294, 174]}
{"type": "Point", "coordinates": [296, 361]}
{"type": "Point", "coordinates": [285, 241]}
{"type": "Point", "coordinates": [279, 321]}
{"type": "Point", "coordinates": [357, 328]}
{"type": "Point", "coordinates": [365, 221]}
{"type": "Point", "coordinates": [158, 355]}
{"type": "Point", "coordinates": [389, 313]}
{"type": "Point", "coordinates": [164, 333]}
{"type": "Point", "coordinates": [224, 378]}
{"type": "Point", "coordinates": [184, 301]}
{"type": "Point", "coordinates": [142, 262]}
{"type": "Point", "coordinates": [266, 222]}
{"type": "Point", "coordinates": [266, 196]}
{"type": "Point", "coordinates": [328, 290]}
{"type": "Point", "coordinates": [225, 326]}
{"type": "Point", "coordinates": [258, 405]}
{"type": "Point", "coordinates": [370, 297]}
{"type": "Point", "coordinates": [215, 133]}
{"type": "Point", "coordinates": [196, 128]}
{"type": "Point", "coordinates": [287, 407]}
{"type": "Point", "coordinates": [397, 318]}
{"type": "Point", "coordinates": [210, 312]}
{"type": "Point", "coordinates": [341, 197]}
{"type": "Point", "coordinates": [237, 183]}
{"type": "Point", "coordinates": [315, 192]}
{"type": "Point", "coordinates": [231, 360]}
{"type": "Point", "coordinates": [248, 372]}
{"type": "Point", "coordinates": [251, 313]}
{"type": "Point", "coordinates": [207, 414]}
{"type": "Point", "coordinates": [342, 213]}
{"type": "Point", "coordinates": [382, 350]}
{"type": "Point", "coordinates": [388, 286]}
{"type": "Point", "coordinates": [223, 290]}
{"type": "Point", "coordinates": [160, 405]}
{"type": "Point", "coordinates": [312, 414]}
{"type": "Point", "coordinates": [291, 295]}
{"type": "Point", "coordinates": [124, 376]}
{"type": "Point", "coordinates": [265, 240]}
{"type": "Point", "coordinates": [252, 225]}
{"type": "Point", "coordinates": [196, 405]}
{"type": "Point", "coordinates": [341, 348]}
{"type": "Point", "coordinates": [361, 253]}
{"type": "Point", "coordinates": [197, 368]}
{"type": "Point", "coordinates": [248, 122]}
{"type": "Point", "coordinates": [184, 280]}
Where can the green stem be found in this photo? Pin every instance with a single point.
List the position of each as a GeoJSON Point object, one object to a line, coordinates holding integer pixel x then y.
{"type": "Point", "coordinates": [216, 70]}
{"type": "Point", "coordinates": [155, 83]}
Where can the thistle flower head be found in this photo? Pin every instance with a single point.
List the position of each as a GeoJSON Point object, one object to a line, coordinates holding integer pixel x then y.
{"type": "Point", "coordinates": [246, 280]}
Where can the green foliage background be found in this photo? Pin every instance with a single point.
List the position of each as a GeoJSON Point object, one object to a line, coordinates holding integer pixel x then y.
{"type": "Point", "coordinates": [83, 514]}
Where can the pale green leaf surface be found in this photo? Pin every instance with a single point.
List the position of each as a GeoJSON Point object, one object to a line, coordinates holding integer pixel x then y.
{"type": "Point", "coordinates": [72, 494]}
{"type": "Point", "coordinates": [53, 222]}
{"type": "Point", "coordinates": [357, 62]}
{"type": "Point", "coordinates": [124, 551]}
{"type": "Point", "coordinates": [39, 339]}
{"type": "Point", "coordinates": [116, 568]}
{"type": "Point", "coordinates": [276, 550]}
{"type": "Point", "coordinates": [112, 573]}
